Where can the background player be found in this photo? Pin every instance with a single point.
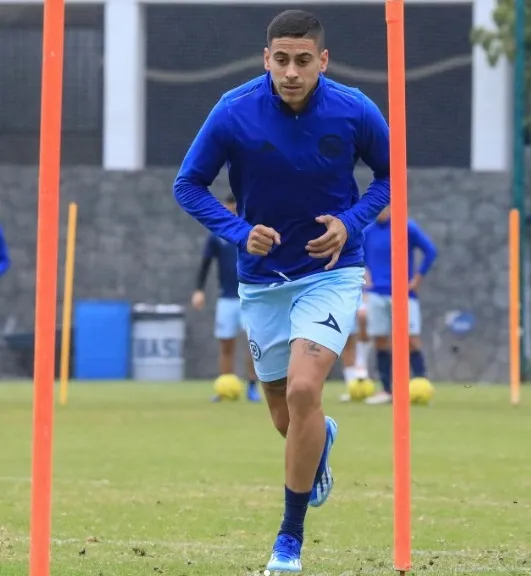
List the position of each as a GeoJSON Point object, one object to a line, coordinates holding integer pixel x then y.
{"type": "Point", "coordinates": [291, 139]}
{"type": "Point", "coordinates": [228, 322]}
{"type": "Point", "coordinates": [355, 355]}
{"type": "Point", "coordinates": [378, 261]}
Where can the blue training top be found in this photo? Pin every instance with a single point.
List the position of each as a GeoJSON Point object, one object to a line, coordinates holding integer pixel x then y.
{"type": "Point", "coordinates": [378, 254]}
{"type": "Point", "coordinates": [226, 255]}
{"type": "Point", "coordinates": [285, 169]}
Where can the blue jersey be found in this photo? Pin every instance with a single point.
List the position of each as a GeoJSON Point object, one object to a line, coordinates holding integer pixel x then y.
{"type": "Point", "coordinates": [4, 254]}
{"type": "Point", "coordinates": [378, 254]}
{"type": "Point", "coordinates": [285, 169]}
{"type": "Point", "coordinates": [226, 256]}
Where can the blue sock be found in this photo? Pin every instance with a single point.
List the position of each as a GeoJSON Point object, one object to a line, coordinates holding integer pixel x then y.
{"type": "Point", "coordinates": [294, 513]}
{"type": "Point", "coordinates": [251, 384]}
{"type": "Point", "coordinates": [418, 366]}
{"type": "Point", "coordinates": [383, 359]}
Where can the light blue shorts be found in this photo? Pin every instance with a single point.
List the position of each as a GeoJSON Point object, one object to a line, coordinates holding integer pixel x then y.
{"type": "Point", "coordinates": [229, 322]}
{"type": "Point", "coordinates": [320, 308]}
{"type": "Point", "coordinates": [379, 322]}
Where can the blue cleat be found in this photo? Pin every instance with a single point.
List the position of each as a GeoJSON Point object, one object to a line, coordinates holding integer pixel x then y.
{"type": "Point", "coordinates": [253, 395]}
{"type": "Point", "coordinates": [323, 485]}
{"type": "Point", "coordinates": [286, 556]}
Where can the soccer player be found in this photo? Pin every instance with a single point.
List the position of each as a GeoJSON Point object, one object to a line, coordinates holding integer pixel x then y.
{"type": "Point", "coordinates": [228, 322]}
{"type": "Point", "coordinates": [4, 254]}
{"type": "Point", "coordinates": [378, 260]}
{"type": "Point", "coordinates": [355, 355]}
{"type": "Point", "coordinates": [291, 139]}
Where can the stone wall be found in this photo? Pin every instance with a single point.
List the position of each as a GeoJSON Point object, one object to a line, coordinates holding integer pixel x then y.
{"type": "Point", "coordinates": [135, 243]}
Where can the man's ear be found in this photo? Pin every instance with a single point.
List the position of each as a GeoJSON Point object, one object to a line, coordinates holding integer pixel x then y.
{"type": "Point", "coordinates": [267, 56]}
{"type": "Point", "coordinates": [324, 60]}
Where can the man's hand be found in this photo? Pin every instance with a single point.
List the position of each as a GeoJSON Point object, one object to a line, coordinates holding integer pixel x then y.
{"type": "Point", "coordinates": [198, 300]}
{"type": "Point", "coordinates": [330, 244]}
{"type": "Point", "coordinates": [261, 240]}
{"type": "Point", "coordinates": [414, 285]}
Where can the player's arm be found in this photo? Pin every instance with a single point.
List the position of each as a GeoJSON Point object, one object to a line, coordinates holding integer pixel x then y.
{"type": "Point", "coordinates": [373, 143]}
{"type": "Point", "coordinates": [209, 253]}
{"type": "Point", "coordinates": [421, 241]}
{"type": "Point", "coordinates": [210, 150]}
{"type": "Point", "coordinates": [4, 254]}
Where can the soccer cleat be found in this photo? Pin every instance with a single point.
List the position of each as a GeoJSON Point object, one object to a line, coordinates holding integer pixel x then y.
{"type": "Point", "coordinates": [323, 486]}
{"type": "Point", "coordinates": [253, 395]}
{"type": "Point", "coordinates": [380, 398]}
{"type": "Point", "coordinates": [286, 556]}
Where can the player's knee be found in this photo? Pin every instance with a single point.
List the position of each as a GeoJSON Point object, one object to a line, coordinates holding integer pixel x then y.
{"type": "Point", "coordinates": [303, 395]}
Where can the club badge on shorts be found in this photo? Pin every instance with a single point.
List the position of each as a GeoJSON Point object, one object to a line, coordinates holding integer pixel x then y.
{"type": "Point", "coordinates": [255, 350]}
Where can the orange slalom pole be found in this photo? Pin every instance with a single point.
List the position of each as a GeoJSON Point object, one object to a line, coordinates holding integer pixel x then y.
{"type": "Point", "coordinates": [399, 279]}
{"type": "Point", "coordinates": [514, 305]}
{"type": "Point", "coordinates": [46, 285]}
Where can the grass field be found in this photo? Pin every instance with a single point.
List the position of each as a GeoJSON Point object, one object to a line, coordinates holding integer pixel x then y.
{"type": "Point", "coordinates": [155, 480]}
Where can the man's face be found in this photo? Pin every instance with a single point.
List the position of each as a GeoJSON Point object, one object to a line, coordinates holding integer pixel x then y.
{"type": "Point", "coordinates": [295, 64]}
{"type": "Point", "coordinates": [384, 215]}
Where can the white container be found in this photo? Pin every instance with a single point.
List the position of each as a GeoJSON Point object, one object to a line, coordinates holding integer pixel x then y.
{"type": "Point", "coordinates": [158, 342]}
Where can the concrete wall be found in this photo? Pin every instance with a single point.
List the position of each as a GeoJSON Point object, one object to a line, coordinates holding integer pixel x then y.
{"type": "Point", "coordinates": [135, 243]}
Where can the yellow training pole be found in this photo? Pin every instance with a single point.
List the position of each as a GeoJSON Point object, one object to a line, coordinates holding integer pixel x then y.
{"type": "Point", "coordinates": [67, 299]}
{"type": "Point", "coordinates": [514, 305]}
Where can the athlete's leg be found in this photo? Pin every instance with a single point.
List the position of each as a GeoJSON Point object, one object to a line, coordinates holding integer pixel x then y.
{"type": "Point", "coordinates": [226, 330]}
{"type": "Point", "coordinates": [310, 365]}
{"type": "Point", "coordinates": [348, 358]}
{"type": "Point", "coordinates": [379, 329]}
{"type": "Point", "coordinates": [321, 318]}
{"type": "Point", "coordinates": [363, 343]}
{"type": "Point", "coordinates": [416, 356]}
{"type": "Point", "coordinates": [227, 348]}
{"type": "Point", "coordinates": [275, 394]}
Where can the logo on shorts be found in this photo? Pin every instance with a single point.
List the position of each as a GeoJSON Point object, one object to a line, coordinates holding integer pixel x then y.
{"type": "Point", "coordinates": [330, 322]}
{"type": "Point", "coordinates": [255, 350]}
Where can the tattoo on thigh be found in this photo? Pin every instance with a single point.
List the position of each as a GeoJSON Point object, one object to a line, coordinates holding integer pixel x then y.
{"type": "Point", "coordinates": [277, 388]}
{"type": "Point", "coordinates": [311, 348]}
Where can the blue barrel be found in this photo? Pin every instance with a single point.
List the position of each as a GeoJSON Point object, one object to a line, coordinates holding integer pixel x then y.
{"type": "Point", "coordinates": [102, 333]}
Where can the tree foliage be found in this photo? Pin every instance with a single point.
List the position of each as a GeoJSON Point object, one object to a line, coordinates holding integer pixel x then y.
{"type": "Point", "coordinates": [499, 40]}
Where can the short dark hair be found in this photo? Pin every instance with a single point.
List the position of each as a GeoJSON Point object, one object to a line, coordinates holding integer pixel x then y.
{"type": "Point", "coordinates": [229, 199]}
{"type": "Point", "coordinates": [296, 24]}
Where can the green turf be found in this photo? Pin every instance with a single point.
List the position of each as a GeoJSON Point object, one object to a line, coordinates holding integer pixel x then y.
{"type": "Point", "coordinates": [155, 480]}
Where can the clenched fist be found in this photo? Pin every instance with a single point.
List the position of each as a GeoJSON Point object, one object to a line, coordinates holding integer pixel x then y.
{"type": "Point", "coordinates": [261, 240]}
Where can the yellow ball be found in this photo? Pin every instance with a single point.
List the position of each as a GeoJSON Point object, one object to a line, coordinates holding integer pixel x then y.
{"type": "Point", "coordinates": [368, 387]}
{"type": "Point", "coordinates": [360, 389]}
{"type": "Point", "coordinates": [228, 387]}
{"type": "Point", "coordinates": [421, 391]}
